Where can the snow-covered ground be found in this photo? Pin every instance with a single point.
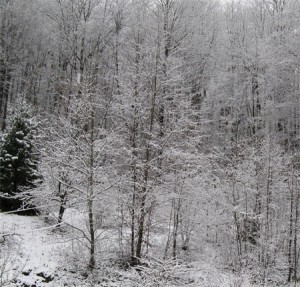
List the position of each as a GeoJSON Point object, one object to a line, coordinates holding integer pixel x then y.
{"type": "Point", "coordinates": [30, 251]}
{"type": "Point", "coordinates": [33, 253]}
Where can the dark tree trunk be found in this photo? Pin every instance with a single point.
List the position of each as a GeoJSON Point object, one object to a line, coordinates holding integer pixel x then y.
{"type": "Point", "coordinates": [63, 201]}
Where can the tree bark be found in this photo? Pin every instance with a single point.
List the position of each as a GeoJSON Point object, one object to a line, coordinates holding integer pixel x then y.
{"type": "Point", "coordinates": [63, 201]}
{"type": "Point", "coordinates": [290, 260]}
{"type": "Point", "coordinates": [91, 188]}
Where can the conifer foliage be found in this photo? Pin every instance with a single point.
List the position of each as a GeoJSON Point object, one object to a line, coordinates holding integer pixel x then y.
{"type": "Point", "coordinates": [18, 160]}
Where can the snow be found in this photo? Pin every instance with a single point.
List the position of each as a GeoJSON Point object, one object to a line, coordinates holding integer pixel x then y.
{"type": "Point", "coordinates": [34, 253]}
{"type": "Point", "coordinates": [36, 246]}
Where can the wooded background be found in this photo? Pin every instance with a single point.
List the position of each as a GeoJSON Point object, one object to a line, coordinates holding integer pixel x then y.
{"type": "Point", "coordinates": [176, 122]}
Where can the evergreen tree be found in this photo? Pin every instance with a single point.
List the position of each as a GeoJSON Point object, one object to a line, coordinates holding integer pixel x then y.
{"type": "Point", "coordinates": [18, 161]}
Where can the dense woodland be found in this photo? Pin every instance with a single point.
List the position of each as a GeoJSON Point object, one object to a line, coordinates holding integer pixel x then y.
{"type": "Point", "coordinates": [175, 123]}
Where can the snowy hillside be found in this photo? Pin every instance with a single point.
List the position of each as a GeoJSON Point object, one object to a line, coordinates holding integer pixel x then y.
{"type": "Point", "coordinates": [30, 251]}
{"type": "Point", "coordinates": [161, 136]}
{"type": "Point", "coordinates": [35, 254]}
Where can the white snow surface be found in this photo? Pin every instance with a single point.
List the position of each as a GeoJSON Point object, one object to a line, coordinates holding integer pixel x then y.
{"type": "Point", "coordinates": [29, 247]}
{"type": "Point", "coordinates": [32, 251]}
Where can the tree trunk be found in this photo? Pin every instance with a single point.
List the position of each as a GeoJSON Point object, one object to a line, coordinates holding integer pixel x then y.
{"type": "Point", "coordinates": [133, 215]}
{"type": "Point", "coordinates": [143, 212]}
{"type": "Point", "coordinates": [290, 261]}
{"type": "Point", "coordinates": [169, 231]}
{"type": "Point", "coordinates": [175, 227]}
{"type": "Point", "coordinates": [5, 79]}
{"type": "Point", "coordinates": [238, 228]}
{"type": "Point", "coordinates": [63, 201]}
{"type": "Point", "coordinates": [144, 190]}
{"type": "Point", "coordinates": [296, 232]}
{"type": "Point", "coordinates": [91, 189]}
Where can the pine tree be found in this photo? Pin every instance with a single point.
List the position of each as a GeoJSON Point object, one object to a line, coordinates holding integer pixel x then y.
{"type": "Point", "coordinates": [18, 161]}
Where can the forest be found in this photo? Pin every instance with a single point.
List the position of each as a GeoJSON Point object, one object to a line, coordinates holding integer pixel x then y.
{"type": "Point", "coordinates": [159, 137]}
